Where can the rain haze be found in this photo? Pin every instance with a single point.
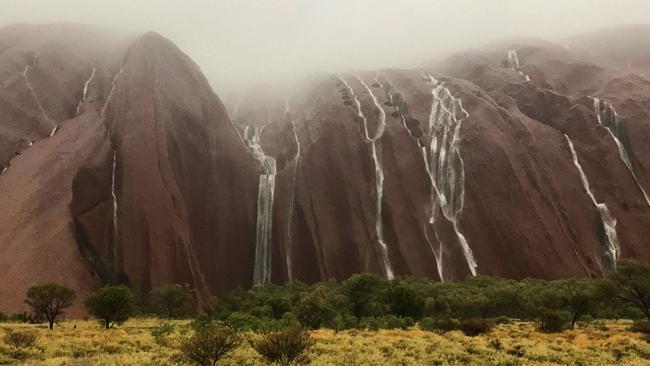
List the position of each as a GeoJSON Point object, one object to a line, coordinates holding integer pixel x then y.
{"type": "Point", "coordinates": [239, 43]}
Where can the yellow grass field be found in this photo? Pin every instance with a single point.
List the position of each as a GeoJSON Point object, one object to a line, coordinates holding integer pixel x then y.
{"type": "Point", "coordinates": [517, 343]}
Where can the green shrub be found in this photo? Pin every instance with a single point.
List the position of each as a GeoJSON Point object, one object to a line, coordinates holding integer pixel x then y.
{"type": "Point", "coordinates": [206, 348]}
{"type": "Point", "coordinates": [641, 326]}
{"type": "Point", "coordinates": [289, 320]}
{"type": "Point", "coordinates": [161, 333]}
{"type": "Point", "coordinates": [475, 326]}
{"type": "Point", "coordinates": [201, 322]}
{"type": "Point", "coordinates": [25, 317]}
{"type": "Point", "coordinates": [285, 347]}
{"type": "Point", "coordinates": [426, 323]}
{"type": "Point", "coordinates": [243, 321]}
{"type": "Point", "coordinates": [343, 321]}
{"type": "Point", "coordinates": [3, 317]}
{"type": "Point", "coordinates": [391, 321]}
{"type": "Point", "coordinates": [404, 301]}
{"type": "Point", "coordinates": [439, 325]}
{"type": "Point", "coordinates": [370, 323]}
{"type": "Point", "coordinates": [313, 311]}
{"type": "Point", "coordinates": [172, 300]}
{"type": "Point", "coordinates": [552, 321]}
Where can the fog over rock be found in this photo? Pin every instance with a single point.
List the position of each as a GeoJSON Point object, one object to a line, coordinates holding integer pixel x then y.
{"type": "Point", "coordinates": [366, 137]}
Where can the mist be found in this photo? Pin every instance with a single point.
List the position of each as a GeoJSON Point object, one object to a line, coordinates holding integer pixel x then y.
{"type": "Point", "coordinates": [241, 43]}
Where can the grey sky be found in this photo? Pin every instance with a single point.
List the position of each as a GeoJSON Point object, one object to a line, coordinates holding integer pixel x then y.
{"type": "Point", "coordinates": [240, 41]}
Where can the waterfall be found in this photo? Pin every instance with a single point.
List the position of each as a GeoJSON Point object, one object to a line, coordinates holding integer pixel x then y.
{"type": "Point", "coordinates": [102, 112]}
{"type": "Point", "coordinates": [400, 106]}
{"type": "Point", "coordinates": [513, 63]}
{"type": "Point", "coordinates": [379, 173]}
{"type": "Point", "coordinates": [38, 102]}
{"type": "Point", "coordinates": [444, 163]}
{"type": "Point", "coordinates": [114, 197]}
{"type": "Point", "coordinates": [85, 91]}
{"type": "Point", "coordinates": [607, 220]}
{"type": "Point", "coordinates": [607, 117]}
{"type": "Point", "coordinates": [513, 59]}
{"type": "Point", "coordinates": [292, 199]}
{"type": "Point", "coordinates": [266, 188]}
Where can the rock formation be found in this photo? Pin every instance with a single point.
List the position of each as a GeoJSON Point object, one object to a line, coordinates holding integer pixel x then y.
{"type": "Point", "coordinates": [121, 165]}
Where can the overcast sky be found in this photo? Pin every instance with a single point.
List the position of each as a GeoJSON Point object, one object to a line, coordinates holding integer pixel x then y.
{"type": "Point", "coordinates": [242, 41]}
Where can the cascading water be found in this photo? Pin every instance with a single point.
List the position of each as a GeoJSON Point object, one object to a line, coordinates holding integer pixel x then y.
{"type": "Point", "coordinates": [85, 91]}
{"type": "Point", "coordinates": [266, 188]}
{"type": "Point", "coordinates": [102, 115]}
{"type": "Point", "coordinates": [379, 173]}
{"type": "Point", "coordinates": [102, 112]}
{"type": "Point", "coordinates": [379, 176]}
{"type": "Point", "coordinates": [292, 199]}
{"type": "Point", "coordinates": [513, 59]}
{"type": "Point", "coordinates": [444, 163]}
{"type": "Point", "coordinates": [607, 117]}
{"type": "Point", "coordinates": [607, 220]}
{"type": "Point", "coordinates": [38, 102]}
{"type": "Point", "coordinates": [513, 63]}
{"type": "Point", "coordinates": [114, 197]}
{"type": "Point", "coordinates": [398, 101]}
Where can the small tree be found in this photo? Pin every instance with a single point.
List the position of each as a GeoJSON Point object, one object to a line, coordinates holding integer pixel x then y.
{"type": "Point", "coordinates": [630, 283]}
{"type": "Point", "coordinates": [404, 301]}
{"type": "Point", "coordinates": [361, 290]}
{"type": "Point", "coordinates": [172, 300]}
{"type": "Point", "coordinates": [208, 346]}
{"type": "Point", "coordinates": [580, 298]}
{"type": "Point", "coordinates": [285, 347]}
{"type": "Point", "coordinates": [551, 321]}
{"type": "Point", "coordinates": [50, 300]}
{"type": "Point", "coordinates": [313, 310]}
{"type": "Point", "coordinates": [111, 305]}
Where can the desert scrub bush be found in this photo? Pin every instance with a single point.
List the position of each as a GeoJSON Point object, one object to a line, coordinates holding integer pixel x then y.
{"type": "Point", "coordinates": [439, 325]}
{"type": "Point", "coordinates": [551, 321]}
{"type": "Point", "coordinates": [284, 347]}
{"type": "Point", "coordinates": [496, 344]}
{"type": "Point", "coordinates": [207, 347]}
{"type": "Point", "coordinates": [641, 326]}
{"type": "Point", "coordinates": [475, 326]}
{"type": "Point", "coordinates": [19, 341]}
{"type": "Point", "coordinates": [502, 320]}
{"type": "Point", "coordinates": [3, 317]}
{"type": "Point", "coordinates": [201, 322]}
{"type": "Point", "coordinates": [162, 332]}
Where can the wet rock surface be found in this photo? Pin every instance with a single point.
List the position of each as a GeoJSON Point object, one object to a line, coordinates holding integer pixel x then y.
{"type": "Point", "coordinates": [524, 159]}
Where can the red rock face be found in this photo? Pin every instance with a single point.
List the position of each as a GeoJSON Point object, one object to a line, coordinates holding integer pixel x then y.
{"type": "Point", "coordinates": [144, 181]}
{"type": "Point", "coordinates": [525, 207]}
{"type": "Point", "coordinates": [491, 163]}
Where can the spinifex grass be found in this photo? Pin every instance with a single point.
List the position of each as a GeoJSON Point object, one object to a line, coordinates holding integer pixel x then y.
{"type": "Point", "coordinates": [516, 343]}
